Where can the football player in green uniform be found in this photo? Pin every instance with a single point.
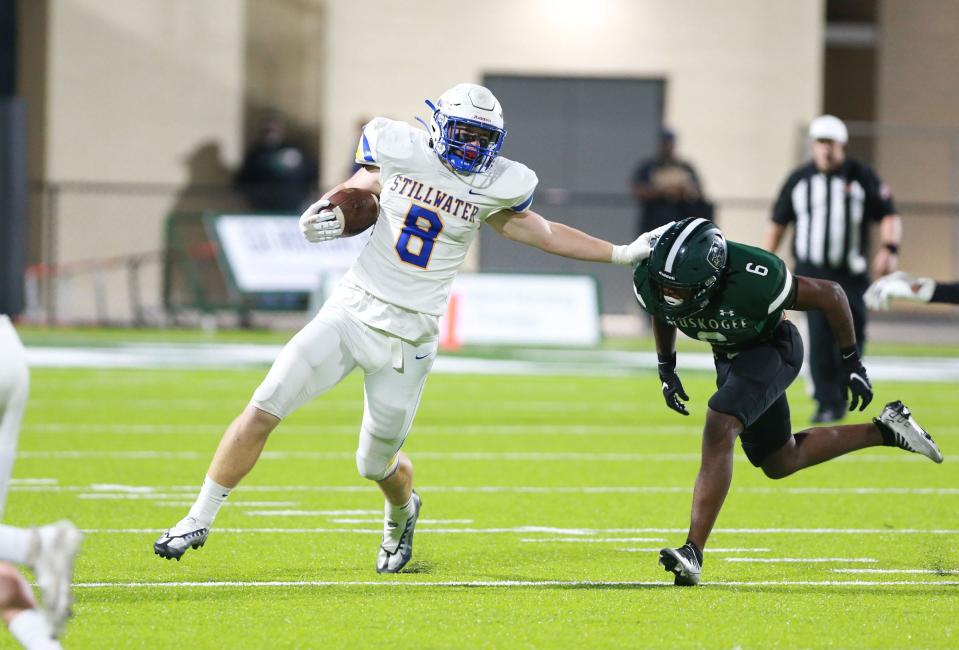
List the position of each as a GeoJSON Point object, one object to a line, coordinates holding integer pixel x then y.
{"type": "Point", "coordinates": [734, 297]}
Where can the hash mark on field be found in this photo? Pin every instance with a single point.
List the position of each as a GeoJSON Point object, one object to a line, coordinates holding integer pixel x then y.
{"type": "Point", "coordinates": [510, 583]}
{"type": "Point", "coordinates": [802, 560]}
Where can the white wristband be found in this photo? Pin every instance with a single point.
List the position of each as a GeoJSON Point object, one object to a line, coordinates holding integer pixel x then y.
{"type": "Point", "coordinates": [620, 256]}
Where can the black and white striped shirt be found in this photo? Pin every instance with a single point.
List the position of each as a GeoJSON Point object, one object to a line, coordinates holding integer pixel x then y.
{"type": "Point", "coordinates": [832, 213]}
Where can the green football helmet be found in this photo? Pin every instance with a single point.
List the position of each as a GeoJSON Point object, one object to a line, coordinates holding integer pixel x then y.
{"type": "Point", "coordinates": [686, 266]}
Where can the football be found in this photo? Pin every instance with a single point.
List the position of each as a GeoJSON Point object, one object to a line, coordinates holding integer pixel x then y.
{"type": "Point", "coordinates": [355, 208]}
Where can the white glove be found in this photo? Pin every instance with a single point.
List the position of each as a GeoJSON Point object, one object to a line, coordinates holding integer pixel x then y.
{"type": "Point", "coordinates": [319, 223]}
{"type": "Point", "coordinates": [639, 250]}
{"type": "Point", "coordinates": [899, 285]}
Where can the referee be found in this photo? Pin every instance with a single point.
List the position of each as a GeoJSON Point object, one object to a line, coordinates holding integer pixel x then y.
{"type": "Point", "coordinates": [832, 202]}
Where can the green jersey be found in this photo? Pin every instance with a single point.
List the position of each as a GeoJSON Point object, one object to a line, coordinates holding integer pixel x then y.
{"type": "Point", "coordinates": [755, 290]}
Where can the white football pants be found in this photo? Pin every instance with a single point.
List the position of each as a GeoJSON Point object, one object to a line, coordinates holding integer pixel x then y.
{"type": "Point", "coordinates": [326, 351]}
{"type": "Point", "coordinates": [14, 386]}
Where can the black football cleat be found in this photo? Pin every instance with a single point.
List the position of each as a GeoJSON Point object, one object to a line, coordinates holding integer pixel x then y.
{"type": "Point", "coordinates": [682, 563]}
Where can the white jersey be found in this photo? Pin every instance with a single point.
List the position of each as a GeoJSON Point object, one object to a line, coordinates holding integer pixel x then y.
{"type": "Point", "coordinates": [429, 216]}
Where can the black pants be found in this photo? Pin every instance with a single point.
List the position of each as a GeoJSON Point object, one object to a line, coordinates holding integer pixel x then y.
{"type": "Point", "coordinates": [824, 362]}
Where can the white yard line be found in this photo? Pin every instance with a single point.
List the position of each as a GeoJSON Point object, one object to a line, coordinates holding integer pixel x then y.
{"type": "Point", "coordinates": [522, 456]}
{"type": "Point", "coordinates": [588, 540]}
{"type": "Point", "coordinates": [564, 531]}
{"type": "Point", "coordinates": [230, 504]}
{"type": "Point", "coordinates": [344, 520]}
{"type": "Point", "coordinates": [320, 429]}
{"type": "Point", "coordinates": [803, 560]}
{"type": "Point", "coordinates": [505, 583]}
{"type": "Point", "coordinates": [164, 492]}
{"type": "Point", "coordinates": [418, 521]}
{"type": "Point", "coordinates": [937, 572]}
{"type": "Point", "coordinates": [711, 550]}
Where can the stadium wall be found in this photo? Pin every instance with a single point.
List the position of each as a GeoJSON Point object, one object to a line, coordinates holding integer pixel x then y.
{"type": "Point", "coordinates": [918, 141]}
{"type": "Point", "coordinates": [742, 76]}
{"type": "Point", "coordinates": [143, 100]}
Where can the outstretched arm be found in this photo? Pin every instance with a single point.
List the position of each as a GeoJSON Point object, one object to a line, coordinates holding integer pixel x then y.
{"type": "Point", "coordinates": [534, 230]}
{"type": "Point", "coordinates": [829, 298]}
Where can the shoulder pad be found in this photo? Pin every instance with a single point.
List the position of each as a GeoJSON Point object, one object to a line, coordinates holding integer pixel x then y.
{"type": "Point", "coordinates": [384, 139]}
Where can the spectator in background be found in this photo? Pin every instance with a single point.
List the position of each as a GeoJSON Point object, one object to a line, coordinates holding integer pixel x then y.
{"type": "Point", "coordinates": [832, 200]}
{"type": "Point", "coordinates": [668, 188]}
{"type": "Point", "coordinates": [277, 175]}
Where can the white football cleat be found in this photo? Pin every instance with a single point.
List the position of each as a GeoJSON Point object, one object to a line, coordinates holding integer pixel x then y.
{"type": "Point", "coordinates": [188, 533]}
{"type": "Point", "coordinates": [896, 419]}
{"type": "Point", "coordinates": [395, 552]}
{"type": "Point", "coordinates": [55, 554]}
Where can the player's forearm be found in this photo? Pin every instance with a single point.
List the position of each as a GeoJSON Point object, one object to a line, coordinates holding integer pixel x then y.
{"type": "Point", "coordinates": [665, 337]}
{"type": "Point", "coordinates": [829, 298]}
{"type": "Point", "coordinates": [566, 241]}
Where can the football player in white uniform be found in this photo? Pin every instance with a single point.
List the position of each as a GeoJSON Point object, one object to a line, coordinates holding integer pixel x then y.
{"type": "Point", "coordinates": [49, 551]}
{"type": "Point", "coordinates": [435, 189]}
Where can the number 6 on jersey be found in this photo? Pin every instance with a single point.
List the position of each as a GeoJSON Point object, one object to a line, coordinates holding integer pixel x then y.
{"type": "Point", "coordinates": [414, 228]}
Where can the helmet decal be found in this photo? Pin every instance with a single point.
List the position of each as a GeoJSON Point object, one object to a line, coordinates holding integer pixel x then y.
{"type": "Point", "coordinates": [717, 254]}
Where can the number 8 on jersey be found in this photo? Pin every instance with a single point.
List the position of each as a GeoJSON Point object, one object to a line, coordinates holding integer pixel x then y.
{"type": "Point", "coordinates": [420, 225]}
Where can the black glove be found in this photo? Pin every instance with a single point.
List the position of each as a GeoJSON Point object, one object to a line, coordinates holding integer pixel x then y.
{"type": "Point", "coordinates": [855, 380]}
{"type": "Point", "coordinates": [672, 387]}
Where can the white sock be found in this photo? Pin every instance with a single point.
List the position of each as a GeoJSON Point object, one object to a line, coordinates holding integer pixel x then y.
{"type": "Point", "coordinates": [208, 502]}
{"type": "Point", "coordinates": [16, 544]}
{"type": "Point", "coordinates": [32, 630]}
{"type": "Point", "coordinates": [400, 514]}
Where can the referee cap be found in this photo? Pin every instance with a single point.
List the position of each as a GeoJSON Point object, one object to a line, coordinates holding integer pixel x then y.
{"type": "Point", "coordinates": [828, 127]}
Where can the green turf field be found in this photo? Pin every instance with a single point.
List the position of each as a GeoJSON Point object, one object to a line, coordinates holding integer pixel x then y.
{"type": "Point", "coordinates": [571, 482]}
